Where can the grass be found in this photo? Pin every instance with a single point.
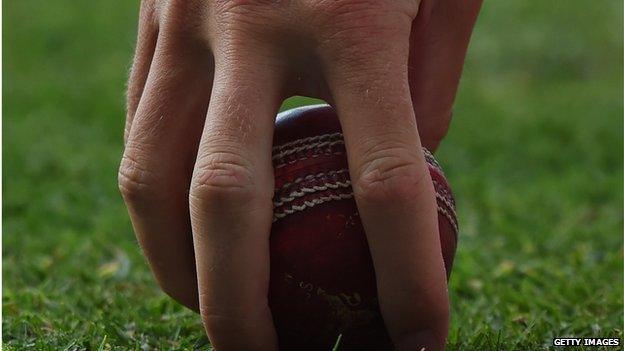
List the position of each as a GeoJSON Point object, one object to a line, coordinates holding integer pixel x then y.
{"type": "Point", "coordinates": [534, 154]}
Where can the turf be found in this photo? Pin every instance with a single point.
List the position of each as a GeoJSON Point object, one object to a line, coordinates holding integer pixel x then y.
{"type": "Point", "coordinates": [534, 155]}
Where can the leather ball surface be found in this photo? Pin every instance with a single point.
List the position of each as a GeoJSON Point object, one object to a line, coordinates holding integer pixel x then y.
{"type": "Point", "coordinates": [322, 277]}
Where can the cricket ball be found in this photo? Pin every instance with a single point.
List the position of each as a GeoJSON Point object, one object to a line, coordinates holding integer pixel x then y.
{"type": "Point", "coordinates": [322, 282]}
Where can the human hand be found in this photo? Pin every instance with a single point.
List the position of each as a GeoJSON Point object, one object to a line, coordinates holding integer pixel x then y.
{"type": "Point", "coordinates": [207, 81]}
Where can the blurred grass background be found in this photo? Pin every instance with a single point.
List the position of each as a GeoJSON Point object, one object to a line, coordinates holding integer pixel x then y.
{"type": "Point", "coordinates": [534, 154]}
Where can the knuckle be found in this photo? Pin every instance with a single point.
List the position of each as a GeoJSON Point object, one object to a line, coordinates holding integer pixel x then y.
{"type": "Point", "coordinates": [215, 315]}
{"type": "Point", "coordinates": [356, 23]}
{"type": "Point", "coordinates": [182, 19]}
{"type": "Point", "coordinates": [242, 13]}
{"type": "Point", "coordinates": [239, 26]}
{"type": "Point", "coordinates": [366, 41]}
{"type": "Point", "coordinates": [243, 6]}
{"type": "Point", "coordinates": [216, 322]}
{"type": "Point", "coordinates": [224, 180]}
{"type": "Point", "coordinates": [136, 182]}
{"type": "Point", "coordinates": [222, 316]}
{"type": "Point", "coordinates": [389, 174]}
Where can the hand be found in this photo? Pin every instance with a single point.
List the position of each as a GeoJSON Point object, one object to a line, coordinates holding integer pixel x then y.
{"type": "Point", "coordinates": [207, 80]}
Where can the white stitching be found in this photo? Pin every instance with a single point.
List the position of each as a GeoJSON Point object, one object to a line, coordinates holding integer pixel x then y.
{"type": "Point", "coordinates": [335, 185]}
{"type": "Point", "coordinates": [323, 199]}
{"type": "Point", "coordinates": [450, 214]}
{"type": "Point", "coordinates": [445, 192]}
{"type": "Point", "coordinates": [312, 176]}
{"type": "Point", "coordinates": [306, 140]}
{"type": "Point", "coordinates": [448, 203]}
{"type": "Point", "coordinates": [450, 219]}
{"type": "Point", "coordinates": [309, 204]}
{"type": "Point", "coordinates": [318, 142]}
{"type": "Point", "coordinates": [323, 176]}
{"type": "Point", "coordinates": [431, 159]}
{"type": "Point", "coordinates": [284, 164]}
{"type": "Point", "coordinates": [297, 194]}
{"type": "Point", "coordinates": [318, 145]}
{"type": "Point", "coordinates": [281, 151]}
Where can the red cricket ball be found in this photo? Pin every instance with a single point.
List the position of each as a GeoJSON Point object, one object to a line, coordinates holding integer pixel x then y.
{"type": "Point", "coordinates": [322, 278]}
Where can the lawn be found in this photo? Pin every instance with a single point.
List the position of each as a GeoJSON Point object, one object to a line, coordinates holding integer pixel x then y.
{"type": "Point", "coordinates": [535, 156]}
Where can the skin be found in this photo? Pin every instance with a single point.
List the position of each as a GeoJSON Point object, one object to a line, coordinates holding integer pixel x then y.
{"type": "Point", "coordinates": [207, 81]}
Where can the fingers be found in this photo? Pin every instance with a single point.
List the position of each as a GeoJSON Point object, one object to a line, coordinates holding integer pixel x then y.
{"type": "Point", "coordinates": [155, 171]}
{"type": "Point", "coordinates": [437, 52]}
{"type": "Point", "coordinates": [144, 52]}
{"type": "Point", "coordinates": [231, 200]}
{"type": "Point", "coordinates": [391, 183]}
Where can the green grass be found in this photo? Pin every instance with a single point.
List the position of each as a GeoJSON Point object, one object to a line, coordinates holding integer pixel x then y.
{"type": "Point", "coordinates": [534, 154]}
